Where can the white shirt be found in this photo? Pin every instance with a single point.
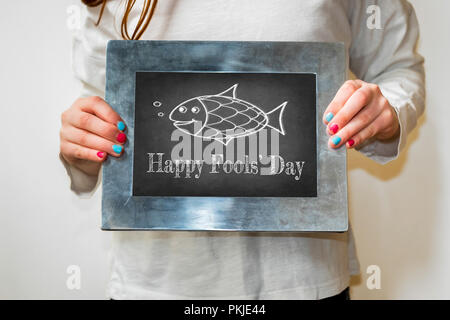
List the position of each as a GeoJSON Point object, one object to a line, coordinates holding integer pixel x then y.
{"type": "Point", "coordinates": [228, 265]}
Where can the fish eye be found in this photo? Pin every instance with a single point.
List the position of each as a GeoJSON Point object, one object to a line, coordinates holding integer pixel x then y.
{"type": "Point", "coordinates": [182, 109]}
{"type": "Point", "coordinates": [195, 109]}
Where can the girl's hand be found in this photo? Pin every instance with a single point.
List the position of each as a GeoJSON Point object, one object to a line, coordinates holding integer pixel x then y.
{"type": "Point", "coordinates": [359, 112]}
{"type": "Point", "coordinates": [90, 131]}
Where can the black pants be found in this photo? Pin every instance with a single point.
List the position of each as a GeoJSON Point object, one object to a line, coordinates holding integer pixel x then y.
{"type": "Point", "coordinates": [344, 295]}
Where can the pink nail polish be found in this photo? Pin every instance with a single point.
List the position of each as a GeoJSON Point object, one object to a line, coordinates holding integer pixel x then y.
{"type": "Point", "coordinates": [351, 142]}
{"type": "Point", "coordinates": [121, 137]}
{"type": "Point", "coordinates": [100, 154]}
{"type": "Point", "coordinates": [334, 128]}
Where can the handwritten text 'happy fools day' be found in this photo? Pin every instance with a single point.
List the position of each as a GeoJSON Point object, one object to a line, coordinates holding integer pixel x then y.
{"type": "Point", "coordinates": [269, 165]}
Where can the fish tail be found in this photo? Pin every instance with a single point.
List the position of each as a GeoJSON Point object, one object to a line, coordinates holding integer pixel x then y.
{"type": "Point", "coordinates": [275, 118]}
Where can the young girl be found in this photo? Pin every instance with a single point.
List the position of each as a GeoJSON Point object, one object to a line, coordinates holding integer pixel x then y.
{"type": "Point", "coordinates": [374, 115]}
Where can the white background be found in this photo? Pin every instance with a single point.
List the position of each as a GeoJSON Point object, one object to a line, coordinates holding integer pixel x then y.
{"type": "Point", "coordinates": [400, 211]}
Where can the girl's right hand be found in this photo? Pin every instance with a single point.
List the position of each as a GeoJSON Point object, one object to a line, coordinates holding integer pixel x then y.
{"type": "Point", "coordinates": [90, 131]}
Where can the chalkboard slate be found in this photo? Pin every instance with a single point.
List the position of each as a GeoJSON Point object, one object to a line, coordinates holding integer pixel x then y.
{"type": "Point", "coordinates": [263, 131]}
{"type": "Point", "coordinates": [225, 95]}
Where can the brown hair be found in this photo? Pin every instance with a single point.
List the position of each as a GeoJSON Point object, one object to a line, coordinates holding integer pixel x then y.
{"type": "Point", "coordinates": [144, 19]}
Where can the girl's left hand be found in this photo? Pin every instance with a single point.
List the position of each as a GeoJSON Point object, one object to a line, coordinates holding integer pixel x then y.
{"type": "Point", "coordinates": [359, 112]}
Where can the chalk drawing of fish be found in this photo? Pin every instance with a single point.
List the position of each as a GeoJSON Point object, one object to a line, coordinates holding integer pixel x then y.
{"type": "Point", "coordinates": [223, 117]}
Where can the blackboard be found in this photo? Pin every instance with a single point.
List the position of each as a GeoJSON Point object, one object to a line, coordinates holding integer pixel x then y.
{"type": "Point", "coordinates": [231, 134]}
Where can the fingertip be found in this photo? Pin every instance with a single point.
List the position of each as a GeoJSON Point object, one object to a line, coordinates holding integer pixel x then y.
{"type": "Point", "coordinates": [350, 143]}
{"type": "Point", "coordinates": [333, 129]}
{"type": "Point", "coordinates": [117, 149]}
{"type": "Point", "coordinates": [121, 137]}
{"type": "Point", "coordinates": [334, 142]}
{"type": "Point", "coordinates": [121, 125]}
{"type": "Point", "coordinates": [328, 117]}
{"type": "Point", "coordinates": [101, 156]}
{"type": "Point", "coordinates": [331, 145]}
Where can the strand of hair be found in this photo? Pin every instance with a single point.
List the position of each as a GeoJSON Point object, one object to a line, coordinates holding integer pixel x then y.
{"type": "Point", "coordinates": [147, 13]}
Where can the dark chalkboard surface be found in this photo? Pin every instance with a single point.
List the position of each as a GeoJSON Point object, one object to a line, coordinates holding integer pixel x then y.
{"type": "Point", "coordinates": [225, 134]}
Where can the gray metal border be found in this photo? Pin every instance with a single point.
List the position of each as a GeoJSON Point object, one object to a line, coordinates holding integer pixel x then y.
{"type": "Point", "coordinates": [326, 212]}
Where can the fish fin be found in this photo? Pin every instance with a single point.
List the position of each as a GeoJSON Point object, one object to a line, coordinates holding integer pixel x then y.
{"type": "Point", "coordinates": [275, 118]}
{"type": "Point", "coordinates": [230, 92]}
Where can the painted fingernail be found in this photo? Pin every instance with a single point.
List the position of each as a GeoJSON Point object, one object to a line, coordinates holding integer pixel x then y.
{"type": "Point", "coordinates": [336, 140]}
{"type": "Point", "coordinates": [117, 148]}
{"type": "Point", "coordinates": [121, 137]}
{"type": "Point", "coordinates": [351, 142]}
{"type": "Point", "coordinates": [329, 116]}
{"type": "Point", "coordinates": [100, 154]}
{"type": "Point", "coordinates": [334, 128]}
{"type": "Point", "coordinates": [121, 125]}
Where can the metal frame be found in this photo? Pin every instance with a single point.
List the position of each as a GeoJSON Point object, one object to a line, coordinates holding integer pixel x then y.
{"type": "Point", "coordinates": [326, 212]}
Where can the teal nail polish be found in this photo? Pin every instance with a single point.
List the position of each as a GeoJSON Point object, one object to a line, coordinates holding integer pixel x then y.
{"type": "Point", "coordinates": [329, 116]}
{"type": "Point", "coordinates": [121, 125]}
{"type": "Point", "coordinates": [336, 140]}
{"type": "Point", "coordinates": [117, 148]}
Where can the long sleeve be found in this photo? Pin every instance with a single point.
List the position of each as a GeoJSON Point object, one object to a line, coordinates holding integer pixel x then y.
{"type": "Point", "coordinates": [88, 65]}
{"type": "Point", "coordinates": [82, 184]}
{"type": "Point", "coordinates": [388, 58]}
